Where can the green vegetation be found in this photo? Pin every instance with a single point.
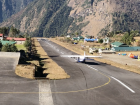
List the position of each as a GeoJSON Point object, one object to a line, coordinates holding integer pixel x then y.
{"type": "Point", "coordinates": [13, 32]}
{"type": "Point", "coordinates": [128, 37]}
{"type": "Point", "coordinates": [20, 47]}
{"type": "Point", "coordinates": [4, 30]}
{"type": "Point", "coordinates": [27, 43]}
{"type": "Point", "coordinates": [100, 40]}
{"type": "Point", "coordinates": [10, 7]}
{"type": "Point", "coordinates": [9, 48]}
{"type": "Point", "coordinates": [0, 45]}
{"type": "Point", "coordinates": [77, 28]}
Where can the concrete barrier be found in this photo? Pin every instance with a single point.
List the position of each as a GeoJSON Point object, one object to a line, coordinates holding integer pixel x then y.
{"type": "Point", "coordinates": [10, 54]}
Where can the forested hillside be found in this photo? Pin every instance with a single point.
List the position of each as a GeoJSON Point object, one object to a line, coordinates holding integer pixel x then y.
{"type": "Point", "coordinates": [92, 17]}
{"type": "Point", "coordinates": [10, 7]}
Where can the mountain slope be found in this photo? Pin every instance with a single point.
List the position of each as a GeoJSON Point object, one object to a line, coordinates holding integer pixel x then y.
{"type": "Point", "coordinates": [10, 7]}
{"type": "Point", "coordinates": [93, 17]}
{"type": "Point", "coordinates": [43, 18]}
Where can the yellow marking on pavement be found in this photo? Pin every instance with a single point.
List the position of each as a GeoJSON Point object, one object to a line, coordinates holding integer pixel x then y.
{"type": "Point", "coordinates": [109, 80]}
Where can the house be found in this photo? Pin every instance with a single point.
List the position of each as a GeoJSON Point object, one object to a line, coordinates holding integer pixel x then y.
{"type": "Point", "coordinates": [78, 38]}
{"type": "Point", "coordinates": [1, 36]}
{"type": "Point", "coordinates": [17, 40]}
{"type": "Point", "coordinates": [118, 44]}
{"type": "Point", "coordinates": [68, 36]}
{"type": "Point", "coordinates": [106, 40]}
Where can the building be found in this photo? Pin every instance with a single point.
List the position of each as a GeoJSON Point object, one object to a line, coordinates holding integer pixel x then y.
{"type": "Point", "coordinates": [78, 38]}
{"type": "Point", "coordinates": [118, 44]}
{"type": "Point", "coordinates": [17, 40]}
{"type": "Point", "coordinates": [125, 49]}
{"type": "Point", "coordinates": [106, 40]}
{"type": "Point", "coordinates": [1, 36]}
{"type": "Point", "coordinates": [7, 42]}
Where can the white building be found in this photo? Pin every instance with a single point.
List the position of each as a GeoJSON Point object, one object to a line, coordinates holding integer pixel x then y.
{"type": "Point", "coordinates": [106, 40]}
{"type": "Point", "coordinates": [1, 36]}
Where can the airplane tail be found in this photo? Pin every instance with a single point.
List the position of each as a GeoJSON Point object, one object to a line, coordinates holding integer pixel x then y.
{"type": "Point", "coordinates": [84, 53]}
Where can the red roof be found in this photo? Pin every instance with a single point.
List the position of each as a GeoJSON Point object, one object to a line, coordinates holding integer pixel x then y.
{"type": "Point", "coordinates": [16, 39]}
{"type": "Point", "coordinates": [1, 34]}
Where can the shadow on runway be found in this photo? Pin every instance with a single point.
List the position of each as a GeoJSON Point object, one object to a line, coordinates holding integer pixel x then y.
{"type": "Point", "coordinates": [91, 63]}
{"type": "Point", "coordinates": [54, 56]}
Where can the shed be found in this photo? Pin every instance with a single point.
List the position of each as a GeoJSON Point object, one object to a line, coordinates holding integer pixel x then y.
{"type": "Point", "coordinates": [8, 42]}
{"type": "Point", "coordinates": [80, 37]}
{"type": "Point", "coordinates": [118, 44]}
{"type": "Point", "coordinates": [125, 48]}
{"type": "Point", "coordinates": [75, 38]}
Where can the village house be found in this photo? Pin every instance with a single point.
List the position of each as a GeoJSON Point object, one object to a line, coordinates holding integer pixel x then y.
{"type": "Point", "coordinates": [17, 40]}
{"type": "Point", "coordinates": [1, 36]}
{"type": "Point", "coordinates": [106, 40]}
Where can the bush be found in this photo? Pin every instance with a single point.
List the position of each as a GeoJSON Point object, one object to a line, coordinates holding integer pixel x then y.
{"type": "Point", "coordinates": [0, 45]}
{"type": "Point", "coordinates": [6, 48]}
{"type": "Point", "coordinates": [100, 41]}
{"type": "Point", "coordinates": [9, 48]}
{"type": "Point", "coordinates": [27, 43]}
{"type": "Point", "coordinates": [13, 48]}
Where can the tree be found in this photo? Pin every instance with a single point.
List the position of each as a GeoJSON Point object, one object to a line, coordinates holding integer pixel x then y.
{"type": "Point", "coordinates": [100, 41]}
{"type": "Point", "coordinates": [6, 48]}
{"type": "Point", "coordinates": [27, 43]}
{"type": "Point", "coordinates": [13, 32]}
{"type": "Point", "coordinates": [13, 48]}
{"type": "Point", "coordinates": [4, 30]}
{"type": "Point", "coordinates": [0, 45]}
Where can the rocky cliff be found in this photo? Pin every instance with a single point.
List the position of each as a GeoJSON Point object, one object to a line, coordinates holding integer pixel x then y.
{"type": "Point", "coordinates": [92, 17]}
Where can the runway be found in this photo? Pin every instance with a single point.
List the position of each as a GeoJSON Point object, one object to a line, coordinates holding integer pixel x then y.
{"type": "Point", "coordinates": [91, 83]}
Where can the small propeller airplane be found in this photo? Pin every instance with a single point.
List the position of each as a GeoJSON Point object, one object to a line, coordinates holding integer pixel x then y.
{"type": "Point", "coordinates": [81, 58]}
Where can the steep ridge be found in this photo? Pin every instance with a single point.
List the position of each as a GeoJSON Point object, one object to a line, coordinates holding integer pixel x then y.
{"type": "Point", "coordinates": [10, 7]}
{"type": "Point", "coordinates": [93, 17]}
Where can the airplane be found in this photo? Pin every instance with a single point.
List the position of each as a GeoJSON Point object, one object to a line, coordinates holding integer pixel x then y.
{"type": "Point", "coordinates": [81, 58]}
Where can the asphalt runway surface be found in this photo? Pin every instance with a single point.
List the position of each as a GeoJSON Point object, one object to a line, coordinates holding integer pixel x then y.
{"type": "Point", "coordinates": [12, 85]}
{"type": "Point", "coordinates": [91, 83]}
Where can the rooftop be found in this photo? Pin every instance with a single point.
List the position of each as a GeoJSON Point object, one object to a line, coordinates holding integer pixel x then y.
{"type": "Point", "coordinates": [16, 39]}
{"type": "Point", "coordinates": [7, 42]}
{"type": "Point", "coordinates": [1, 35]}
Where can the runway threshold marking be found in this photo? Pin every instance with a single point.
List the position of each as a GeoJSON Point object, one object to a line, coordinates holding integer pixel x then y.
{"type": "Point", "coordinates": [123, 84]}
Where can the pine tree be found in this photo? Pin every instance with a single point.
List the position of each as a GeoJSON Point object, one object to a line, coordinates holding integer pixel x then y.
{"type": "Point", "coordinates": [6, 48]}
{"type": "Point", "coordinates": [13, 48]}
{"type": "Point", "coordinates": [0, 45]}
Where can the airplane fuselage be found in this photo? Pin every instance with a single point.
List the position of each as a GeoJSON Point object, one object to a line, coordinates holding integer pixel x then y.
{"type": "Point", "coordinates": [81, 59]}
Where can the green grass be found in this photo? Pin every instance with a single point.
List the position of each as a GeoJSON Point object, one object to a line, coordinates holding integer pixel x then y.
{"type": "Point", "coordinates": [20, 47]}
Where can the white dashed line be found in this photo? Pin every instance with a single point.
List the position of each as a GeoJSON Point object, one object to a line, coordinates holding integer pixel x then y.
{"type": "Point", "coordinates": [92, 67]}
{"type": "Point", "coordinates": [123, 84]}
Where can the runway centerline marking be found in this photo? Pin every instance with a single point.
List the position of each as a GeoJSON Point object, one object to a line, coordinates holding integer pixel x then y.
{"type": "Point", "coordinates": [123, 84]}
{"type": "Point", "coordinates": [92, 67]}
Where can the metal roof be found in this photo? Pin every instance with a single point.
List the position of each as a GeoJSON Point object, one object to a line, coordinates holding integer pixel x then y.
{"type": "Point", "coordinates": [126, 48]}
{"type": "Point", "coordinates": [7, 42]}
{"type": "Point", "coordinates": [117, 43]}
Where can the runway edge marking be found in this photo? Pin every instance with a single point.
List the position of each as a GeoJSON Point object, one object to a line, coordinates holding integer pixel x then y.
{"type": "Point", "coordinates": [123, 84]}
